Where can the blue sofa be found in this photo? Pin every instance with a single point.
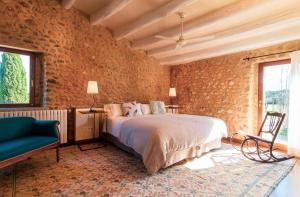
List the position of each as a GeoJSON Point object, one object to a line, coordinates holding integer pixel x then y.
{"type": "Point", "coordinates": [22, 137]}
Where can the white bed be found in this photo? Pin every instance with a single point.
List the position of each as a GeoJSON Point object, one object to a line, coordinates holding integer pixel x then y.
{"type": "Point", "coordinates": [165, 139]}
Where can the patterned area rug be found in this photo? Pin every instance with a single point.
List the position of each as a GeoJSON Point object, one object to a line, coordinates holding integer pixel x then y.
{"type": "Point", "coordinates": [112, 172]}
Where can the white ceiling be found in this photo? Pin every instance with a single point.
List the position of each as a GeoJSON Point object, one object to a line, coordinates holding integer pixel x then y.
{"type": "Point", "coordinates": [236, 25]}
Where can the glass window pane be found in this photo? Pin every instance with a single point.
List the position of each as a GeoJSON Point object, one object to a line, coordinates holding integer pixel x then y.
{"type": "Point", "coordinates": [14, 78]}
{"type": "Point", "coordinates": [276, 94]}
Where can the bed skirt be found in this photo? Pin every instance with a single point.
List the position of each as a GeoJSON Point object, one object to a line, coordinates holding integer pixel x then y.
{"type": "Point", "coordinates": [175, 157]}
{"type": "Point", "coordinates": [172, 157]}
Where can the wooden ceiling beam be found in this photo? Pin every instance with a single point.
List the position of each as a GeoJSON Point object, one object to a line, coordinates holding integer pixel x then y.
{"type": "Point", "coordinates": [108, 11]}
{"type": "Point", "coordinates": [231, 35]}
{"type": "Point", "coordinates": [151, 18]}
{"type": "Point", "coordinates": [219, 20]}
{"type": "Point", "coordinates": [67, 4]}
{"type": "Point", "coordinates": [256, 42]}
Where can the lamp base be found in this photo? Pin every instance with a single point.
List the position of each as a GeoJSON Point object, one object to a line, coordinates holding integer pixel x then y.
{"type": "Point", "coordinates": [92, 108]}
{"type": "Point", "coordinates": [171, 101]}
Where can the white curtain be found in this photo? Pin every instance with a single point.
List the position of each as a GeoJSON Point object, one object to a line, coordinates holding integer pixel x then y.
{"type": "Point", "coordinates": [294, 106]}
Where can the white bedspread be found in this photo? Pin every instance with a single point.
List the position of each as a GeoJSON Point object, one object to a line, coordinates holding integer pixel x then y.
{"type": "Point", "coordinates": [154, 136]}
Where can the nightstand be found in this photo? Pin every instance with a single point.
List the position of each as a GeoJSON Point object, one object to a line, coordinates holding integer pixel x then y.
{"type": "Point", "coordinates": [174, 108]}
{"type": "Point", "coordinates": [101, 113]}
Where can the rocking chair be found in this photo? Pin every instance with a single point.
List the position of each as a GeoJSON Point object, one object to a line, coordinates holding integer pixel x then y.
{"type": "Point", "coordinates": [260, 148]}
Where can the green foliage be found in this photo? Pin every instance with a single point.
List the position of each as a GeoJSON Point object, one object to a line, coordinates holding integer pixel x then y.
{"type": "Point", "coordinates": [13, 87]}
{"type": "Point", "coordinates": [278, 101]}
{"type": "Point", "coordinates": [277, 97]}
{"type": "Point", "coordinates": [284, 132]}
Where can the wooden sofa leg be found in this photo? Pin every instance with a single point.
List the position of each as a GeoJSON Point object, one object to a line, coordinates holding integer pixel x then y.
{"type": "Point", "coordinates": [14, 173]}
{"type": "Point", "coordinates": [57, 154]}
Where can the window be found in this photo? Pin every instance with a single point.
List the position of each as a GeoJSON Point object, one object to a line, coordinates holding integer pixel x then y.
{"type": "Point", "coordinates": [274, 92]}
{"type": "Point", "coordinates": [16, 78]}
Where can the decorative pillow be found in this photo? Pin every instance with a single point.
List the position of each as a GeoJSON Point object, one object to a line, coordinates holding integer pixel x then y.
{"type": "Point", "coordinates": [113, 110]}
{"type": "Point", "coordinates": [145, 109]}
{"type": "Point", "coordinates": [132, 109]}
{"type": "Point", "coordinates": [157, 107]}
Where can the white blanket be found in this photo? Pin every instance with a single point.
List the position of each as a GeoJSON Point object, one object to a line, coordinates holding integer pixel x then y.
{"type": "Point", "coordinates": [154, 136]}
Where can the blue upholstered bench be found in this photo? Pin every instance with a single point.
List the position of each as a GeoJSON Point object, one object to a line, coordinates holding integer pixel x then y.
{"type": "Point", "coordinates": [22, 137]}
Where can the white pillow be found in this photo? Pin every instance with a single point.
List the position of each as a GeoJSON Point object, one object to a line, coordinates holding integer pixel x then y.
{"type": "Point", "coordinates": [145, 109]}
{"type": "Point", "coordinates": [132, 109]}
{"type": "Point", "coordinates": [157, 107]}
{"type": "Point", "coordinates": [113, 110]}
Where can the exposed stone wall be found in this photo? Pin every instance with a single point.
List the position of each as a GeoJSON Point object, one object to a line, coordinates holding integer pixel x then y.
{"type": "Point", "coordinates": [75, 52]}
{"type": "Point", "coordinates": [225, 87]}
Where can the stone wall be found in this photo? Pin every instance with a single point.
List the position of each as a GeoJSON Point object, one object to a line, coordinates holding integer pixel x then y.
{"type": "Point", "coordinates": [225, 87]}
{"type": "Point", "coordinates": [74, 52]}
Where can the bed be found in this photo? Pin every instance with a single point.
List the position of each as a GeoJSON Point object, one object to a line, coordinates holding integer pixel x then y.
{"type": "Point", "coordinates": [165, 139]}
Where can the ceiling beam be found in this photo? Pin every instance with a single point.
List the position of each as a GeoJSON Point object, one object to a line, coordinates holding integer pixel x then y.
{"type": "Point", "coordinates": [257, 42]}
{"type": "Point", "coordinates": [151, 18]}
{"type": "Point", "coordinates": [67, 4]}
{"type": "Point", "coordinates": [223, 18]}
{"type": "Point", "coordinates": [112, 8]}
{"type": "Point", "coordinates": [231, 35]}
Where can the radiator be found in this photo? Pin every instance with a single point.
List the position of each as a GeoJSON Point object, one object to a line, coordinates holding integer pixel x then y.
{"type": "Point", "coordinates": [60, 115]}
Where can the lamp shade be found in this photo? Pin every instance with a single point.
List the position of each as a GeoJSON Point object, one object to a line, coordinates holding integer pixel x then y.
{"type": "Point", "coordinates": [92, 87]}
{"type": "Point", "coordinates": [172, 92]}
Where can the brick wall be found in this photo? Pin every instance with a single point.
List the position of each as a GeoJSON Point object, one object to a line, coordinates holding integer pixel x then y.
{"type": "Point", "coordinates": [225, 87]}
{"type": "Point", "coordinates": [74, 52]}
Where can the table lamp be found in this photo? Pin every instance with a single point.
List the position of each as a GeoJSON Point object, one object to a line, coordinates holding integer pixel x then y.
{"type": "Point", "coordinates": [92, 89]}
{"type": "Point", "coordinates": [172, 94]}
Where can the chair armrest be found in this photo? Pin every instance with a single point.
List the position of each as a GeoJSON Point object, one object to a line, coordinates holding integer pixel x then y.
{"type": "Point", "coordinates": [46, 128]}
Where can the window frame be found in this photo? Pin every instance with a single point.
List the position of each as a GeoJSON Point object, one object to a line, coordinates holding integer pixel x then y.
{"type": "Point", "coordinates": [33, 57]}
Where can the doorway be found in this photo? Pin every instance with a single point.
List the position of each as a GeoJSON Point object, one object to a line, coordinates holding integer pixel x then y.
{"type": "Point", "coordinates": [273, 93]}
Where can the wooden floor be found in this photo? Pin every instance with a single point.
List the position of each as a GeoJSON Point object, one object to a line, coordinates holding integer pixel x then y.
{"type": "Point", "coordinates": [290, 185]}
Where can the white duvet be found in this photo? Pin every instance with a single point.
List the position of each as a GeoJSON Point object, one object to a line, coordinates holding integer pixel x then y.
{"type": "Point", "coordinates": [154, 136]}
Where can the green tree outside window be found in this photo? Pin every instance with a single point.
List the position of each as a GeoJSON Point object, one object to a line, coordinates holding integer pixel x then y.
{"type": "Point", "coordinates": [13, 80]}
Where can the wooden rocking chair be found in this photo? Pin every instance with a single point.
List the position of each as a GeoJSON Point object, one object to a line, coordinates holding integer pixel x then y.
{"type": "Point", "coordinates": [260, 148]}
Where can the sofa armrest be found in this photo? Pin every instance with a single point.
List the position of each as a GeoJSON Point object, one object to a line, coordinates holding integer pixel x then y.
{"type": "Point", "coordinates": [46, 128]}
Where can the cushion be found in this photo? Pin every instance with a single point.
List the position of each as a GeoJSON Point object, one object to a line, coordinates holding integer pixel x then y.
{"type": "Point", "coordinates": [113, 110]}
{"type": "Point", "coordinates": [45, 128]}
{"type": "Point", "coordinates": [22, 145]}
{"type": "Point", "coordinates": [157, 107]}
{"type": "Point", "coordinates": [145, 109]}
{"type": "Point", "coordinates": [132, 109]}
{"type": "Point", "coordinates": [15, 127]}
